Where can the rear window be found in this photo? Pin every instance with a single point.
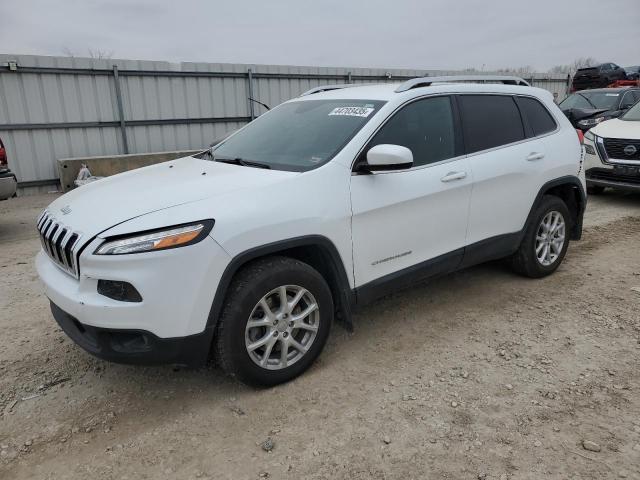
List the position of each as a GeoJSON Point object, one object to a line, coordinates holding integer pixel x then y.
{"type": "Point", "coordinates": [490, 121]}
{"type": "Point", "coordinates": [537, 116]}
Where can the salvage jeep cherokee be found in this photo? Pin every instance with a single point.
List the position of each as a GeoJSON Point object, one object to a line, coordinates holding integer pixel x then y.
{"type": "Point", "coordinates": [251, 249]}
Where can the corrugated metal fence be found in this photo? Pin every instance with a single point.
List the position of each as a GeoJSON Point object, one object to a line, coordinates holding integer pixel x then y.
{"type": "Point", "coordinates": [61, 107]}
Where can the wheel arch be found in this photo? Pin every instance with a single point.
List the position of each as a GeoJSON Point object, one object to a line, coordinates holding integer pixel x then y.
{"type": "Point", "coordinates": [571, 191]}
{"type": "Point", "coordinates": [315, 250]}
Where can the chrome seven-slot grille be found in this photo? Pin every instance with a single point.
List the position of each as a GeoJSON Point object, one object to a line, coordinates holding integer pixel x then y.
{"type": "Point", "coordinates": [60, 243]}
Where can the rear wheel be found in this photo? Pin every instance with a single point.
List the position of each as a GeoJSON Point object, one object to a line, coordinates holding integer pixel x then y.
{"type": "Point", "coordinates": [275, 322]}
{"type": "Point", "coordinates": [546, 239]}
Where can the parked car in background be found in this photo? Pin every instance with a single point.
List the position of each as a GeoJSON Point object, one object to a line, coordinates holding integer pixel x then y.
{"type": "Point", "coordinates": [633, 73]}
{"type": "Point", "coordinates": [598, 76]}
{"type": "Point", "coordinates": [328, 201]}
{"type": "Point", "coordinates": [612, 153]}
{"type": "Point", "coordinates": [8, 183]}
{"type": "Point", "coordinates": [587, 108]}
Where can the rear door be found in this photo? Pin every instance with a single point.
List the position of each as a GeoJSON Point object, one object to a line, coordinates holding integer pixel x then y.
{"type": "Point", "coordinates": [508, 163]}
{"type": "Point", "coordinates": [413, 221]}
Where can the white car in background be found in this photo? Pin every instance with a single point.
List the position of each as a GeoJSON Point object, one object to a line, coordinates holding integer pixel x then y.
{"type": "Point", "coordinates": [326, 202]}
{"type": "Point", "coordinates": [612, 153]}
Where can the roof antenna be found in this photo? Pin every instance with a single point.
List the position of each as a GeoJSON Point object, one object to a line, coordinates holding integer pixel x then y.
{"type": "Point", "coordinates": [259, 103]}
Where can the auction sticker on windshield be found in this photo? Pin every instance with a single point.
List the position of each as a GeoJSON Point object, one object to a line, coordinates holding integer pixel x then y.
{"type": "Point", "coordinates": [352, 111]}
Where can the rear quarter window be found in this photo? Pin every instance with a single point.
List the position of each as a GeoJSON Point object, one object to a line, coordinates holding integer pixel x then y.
{"type": "Point", "coordinates": [490, 121]}
{"type": "Point", "coordinates": [537, 116]}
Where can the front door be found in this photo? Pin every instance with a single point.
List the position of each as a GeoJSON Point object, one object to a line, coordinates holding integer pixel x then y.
{"type": "Point", "coordinates": [414, 221]}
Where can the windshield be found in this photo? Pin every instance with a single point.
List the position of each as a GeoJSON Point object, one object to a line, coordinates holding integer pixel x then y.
{"type": "Point", "coordinates": [608, 100]}
{"type": "Point", "coordinates": [633, 114]}
{"type": "Point", "coordinates": [299, 136]}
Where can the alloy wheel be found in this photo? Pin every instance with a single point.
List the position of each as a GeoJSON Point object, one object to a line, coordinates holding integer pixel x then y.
{"type": "Point", "coordinates": [550, 238]}
{"type": "Point", "coordinates": [282, 327]}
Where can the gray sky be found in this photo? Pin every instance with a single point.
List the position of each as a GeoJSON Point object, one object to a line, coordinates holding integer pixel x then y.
{"type": "Point", "coordinates": [428, 34]}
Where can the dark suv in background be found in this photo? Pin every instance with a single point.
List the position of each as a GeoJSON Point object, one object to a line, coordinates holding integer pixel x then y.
{"type": "Point", "coordinates": [597, 77]}
{"type": "Point", "coordinates": [633, 73]}
{"type": "Point", "coordinates": [588, 108]}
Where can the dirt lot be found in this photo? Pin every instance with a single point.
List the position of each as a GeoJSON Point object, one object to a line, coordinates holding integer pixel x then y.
{"type": "Point", "coordinates": [481, 374]}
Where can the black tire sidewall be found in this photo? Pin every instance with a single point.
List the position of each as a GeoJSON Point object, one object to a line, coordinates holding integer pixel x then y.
{"type": "Point", "coordinates": [548, 204]}
{"type": "Point", "coordinates": [237, 312]}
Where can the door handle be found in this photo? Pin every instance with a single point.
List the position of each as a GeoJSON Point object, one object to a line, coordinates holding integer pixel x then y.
{"type": "Point", "coordinates": [451, 176]}
{"type": "Point", "coordinates": [533, 156]}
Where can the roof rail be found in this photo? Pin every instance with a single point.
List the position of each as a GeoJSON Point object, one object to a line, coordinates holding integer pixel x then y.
{"type": "Point", "coordinates": [326, 88]}
{"type": "Point", "coordinates": [428, 81]}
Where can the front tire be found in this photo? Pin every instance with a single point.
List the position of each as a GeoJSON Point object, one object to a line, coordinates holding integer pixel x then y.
{"type": "Point", "coordinates": [275, 321]}
{"type": "Point", "coordinates": [546, 239]}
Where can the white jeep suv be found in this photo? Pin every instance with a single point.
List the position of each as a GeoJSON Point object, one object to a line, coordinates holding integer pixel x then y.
{"type": "Point", "coordinates": [250, 250]}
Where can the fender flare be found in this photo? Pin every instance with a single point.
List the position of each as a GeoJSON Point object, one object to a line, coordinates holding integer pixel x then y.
{"type": "Point", "coordinates": [573, 181]}
{"type": "Point", "coordinates": [345, 298]}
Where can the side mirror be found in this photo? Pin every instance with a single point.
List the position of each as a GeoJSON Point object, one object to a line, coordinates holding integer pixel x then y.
{"type": "Point", "coordinates": [387, 157]}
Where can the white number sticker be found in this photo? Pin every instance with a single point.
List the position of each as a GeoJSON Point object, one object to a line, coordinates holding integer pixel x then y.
{"type": "Point", "coordinates": [352, 111]}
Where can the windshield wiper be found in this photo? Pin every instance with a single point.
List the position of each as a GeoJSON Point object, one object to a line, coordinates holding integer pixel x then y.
{"type": "Point", "coordinates": [587, 99]}
{"type": "Point", "coordinates": [241, 161]}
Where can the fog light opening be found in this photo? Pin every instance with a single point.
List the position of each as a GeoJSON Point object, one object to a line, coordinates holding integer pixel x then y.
{"type": "Point", "coordinates": [117, 290]}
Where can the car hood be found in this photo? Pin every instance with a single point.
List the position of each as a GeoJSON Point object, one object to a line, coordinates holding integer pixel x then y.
{"type": "Point", "coordinates": [576, 114]}
{"type": "Point", "coordinates": [617, 128]}
{"type": "Point", "coordinates": [102, 204]}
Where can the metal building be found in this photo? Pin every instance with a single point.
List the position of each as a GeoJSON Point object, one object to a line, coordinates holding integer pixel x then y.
{"type": "Point", "coordinates": [61, 107]}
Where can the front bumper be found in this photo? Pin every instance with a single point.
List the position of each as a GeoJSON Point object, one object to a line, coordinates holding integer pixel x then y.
{"type": "Point", "coordinates": [612, 173]}
{"type": "Point", "coordinates": [600, 177]}
{"type": "Point", "coordinates": [134, 346]}
{"type": "Point", "coordinates": [8, 185]}
{"type": "Point", "coordinates": [177, 287]}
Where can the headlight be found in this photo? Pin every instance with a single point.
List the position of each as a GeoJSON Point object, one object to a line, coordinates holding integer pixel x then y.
{"type": "Point", "coordinates": [590, 122]}
{"type": "Point", "coordinates": [171, 237]}
{"type": "Point", "coordinates": [590, 136]}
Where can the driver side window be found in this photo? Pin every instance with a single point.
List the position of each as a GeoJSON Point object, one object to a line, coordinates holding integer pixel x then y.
{"type": "Point", "coordinates": [426, 127]}
{"type": "Point", "coordinates": [628, 100]}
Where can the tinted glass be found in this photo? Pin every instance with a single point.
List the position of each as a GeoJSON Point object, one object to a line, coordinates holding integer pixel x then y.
{"type": "Point", "coordinates": [299, 136]}
{"type": "Point", "coordinates": [489, 121]}
{"type": "Point", "coordinates": [628, 99]}
{"type": "Point", "coordinates": [577, 100]}
{"type": "Point", "coordinates": [586, 99]}
{"type": "Point", "coordinates": [425, 127]}
{"type": "Point", "coordinates": [633, 114]}
{"type": "Point", "coordinates": [538, 118]}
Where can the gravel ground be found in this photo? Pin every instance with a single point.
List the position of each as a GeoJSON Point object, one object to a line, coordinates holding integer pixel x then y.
{"type": "Point", "coordinates": [481, 374]}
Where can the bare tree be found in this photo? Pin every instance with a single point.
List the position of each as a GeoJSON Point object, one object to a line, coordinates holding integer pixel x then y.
{"type": "Point", "coordinates": [521, 71]}
{"type": "Point", "coordinates": [93, 53]}
{"type": "Point", "coordinates": [100, 54]}
{"type": "Point", "coordinates": [66, 51]}
{"type": "Point", "coordinates": [571, 68]}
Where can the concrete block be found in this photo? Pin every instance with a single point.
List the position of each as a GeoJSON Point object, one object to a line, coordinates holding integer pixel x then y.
{"type": "Point", "coordinates": [68, 168]}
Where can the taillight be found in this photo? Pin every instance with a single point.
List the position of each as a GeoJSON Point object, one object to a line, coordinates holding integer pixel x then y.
{"type": "Point", "coordinates": [3, 157]}
{"type": "Point", "coordinates": [580, 135]}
